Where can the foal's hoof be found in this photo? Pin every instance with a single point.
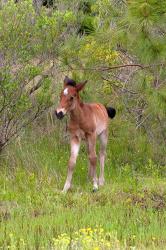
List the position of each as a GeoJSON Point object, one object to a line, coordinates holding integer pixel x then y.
{"type": "Point", "coordinates": [64, 192]}
{"type": "Point", "coordinates": [95, 190]}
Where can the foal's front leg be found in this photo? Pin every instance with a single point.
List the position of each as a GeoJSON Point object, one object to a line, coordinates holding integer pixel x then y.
{"type": "Point", "coordinates": [75, 145]}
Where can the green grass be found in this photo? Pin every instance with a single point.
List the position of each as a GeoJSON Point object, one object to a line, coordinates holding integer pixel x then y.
{"type": "Point", "coordinates": [131, 207]}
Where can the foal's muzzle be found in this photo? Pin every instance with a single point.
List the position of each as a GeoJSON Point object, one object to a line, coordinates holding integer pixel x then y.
{"type": "Point", "coordinates": [59, 115]}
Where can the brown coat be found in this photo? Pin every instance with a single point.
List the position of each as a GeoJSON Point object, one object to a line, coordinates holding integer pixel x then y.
{"type": "Point", "coordinates": [87, 121]}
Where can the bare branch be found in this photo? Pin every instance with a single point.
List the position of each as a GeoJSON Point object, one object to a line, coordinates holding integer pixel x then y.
{"type": "Point", "coordinates": [143, 121]}
{"type": "Point", "coordinates": [117, 67]}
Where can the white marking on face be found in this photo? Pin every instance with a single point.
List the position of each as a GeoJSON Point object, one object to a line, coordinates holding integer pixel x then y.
{"type": "Point", "coordinates": [65, 92]}
{"type": "Point", "coordinates": [63, 110]}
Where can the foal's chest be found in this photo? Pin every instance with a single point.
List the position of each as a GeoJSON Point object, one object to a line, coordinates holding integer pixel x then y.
{"type": "Point", "coordinates": [81, 128]}
{"type": "Point", "coordinates": [80, 133]}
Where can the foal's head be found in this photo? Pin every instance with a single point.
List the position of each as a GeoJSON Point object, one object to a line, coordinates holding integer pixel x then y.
{"type": "Point", "coordinates": [69, 97]}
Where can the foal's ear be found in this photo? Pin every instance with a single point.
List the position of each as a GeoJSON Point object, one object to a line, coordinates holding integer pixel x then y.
{"type": "Point", "coordinates": [80, 86]}
{"type": "Point", "coordinates": [65, 81]}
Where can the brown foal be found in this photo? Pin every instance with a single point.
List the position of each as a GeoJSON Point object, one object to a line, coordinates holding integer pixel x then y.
{"type": "Point", "coordinates": [87, 121]}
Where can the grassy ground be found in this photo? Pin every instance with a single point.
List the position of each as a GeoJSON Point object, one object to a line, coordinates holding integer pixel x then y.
{"type": "Point", "coordinates": [129, 212]}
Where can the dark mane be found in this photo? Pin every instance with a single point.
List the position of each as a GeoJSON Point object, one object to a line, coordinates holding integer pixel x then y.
{"type": "Point", "coordinates": [69, 81]}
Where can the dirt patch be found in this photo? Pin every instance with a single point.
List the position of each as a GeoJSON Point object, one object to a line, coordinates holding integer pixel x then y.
{"type": "Point", "coordinates": [6, 208]}
{"type": "Point", "coordinates": [149, 199]}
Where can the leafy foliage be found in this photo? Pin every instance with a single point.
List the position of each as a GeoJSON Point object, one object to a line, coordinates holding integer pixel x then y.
{"type": "Point", "coordinates": [27, 41]}
{"type": "Point", "coordinates": [86, 39]}
{"type": "Point", "coordinates": [120, 47]}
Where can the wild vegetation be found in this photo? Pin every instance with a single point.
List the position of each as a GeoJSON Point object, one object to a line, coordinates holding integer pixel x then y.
{"type": "Point", "coordinates": [120, 48]}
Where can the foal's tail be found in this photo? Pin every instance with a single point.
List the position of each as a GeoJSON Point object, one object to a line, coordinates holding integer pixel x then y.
{"type": "Point", "coordinates": [111, 112]}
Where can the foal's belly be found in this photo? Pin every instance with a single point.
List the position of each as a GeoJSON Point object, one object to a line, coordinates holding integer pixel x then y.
{"type": "Point", "coordinates": [99, 129]}
{"type": "Point", "coordinates": [100, 118]}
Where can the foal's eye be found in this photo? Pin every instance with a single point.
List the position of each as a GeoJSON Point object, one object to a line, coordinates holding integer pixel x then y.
{"type": "Point", "coordinates": [71, 98]}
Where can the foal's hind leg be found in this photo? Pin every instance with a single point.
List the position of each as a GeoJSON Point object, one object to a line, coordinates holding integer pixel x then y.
{"type": "Point", "coordinates": [75, 145]}
{"type": "Point", "coordinates": [103, 143]}
{"type": "Point", "coordinates": [91, 140]}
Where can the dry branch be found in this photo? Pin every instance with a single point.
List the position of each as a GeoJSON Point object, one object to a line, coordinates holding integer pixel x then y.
{"type": "Point", "coordinates": [117, 67]}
